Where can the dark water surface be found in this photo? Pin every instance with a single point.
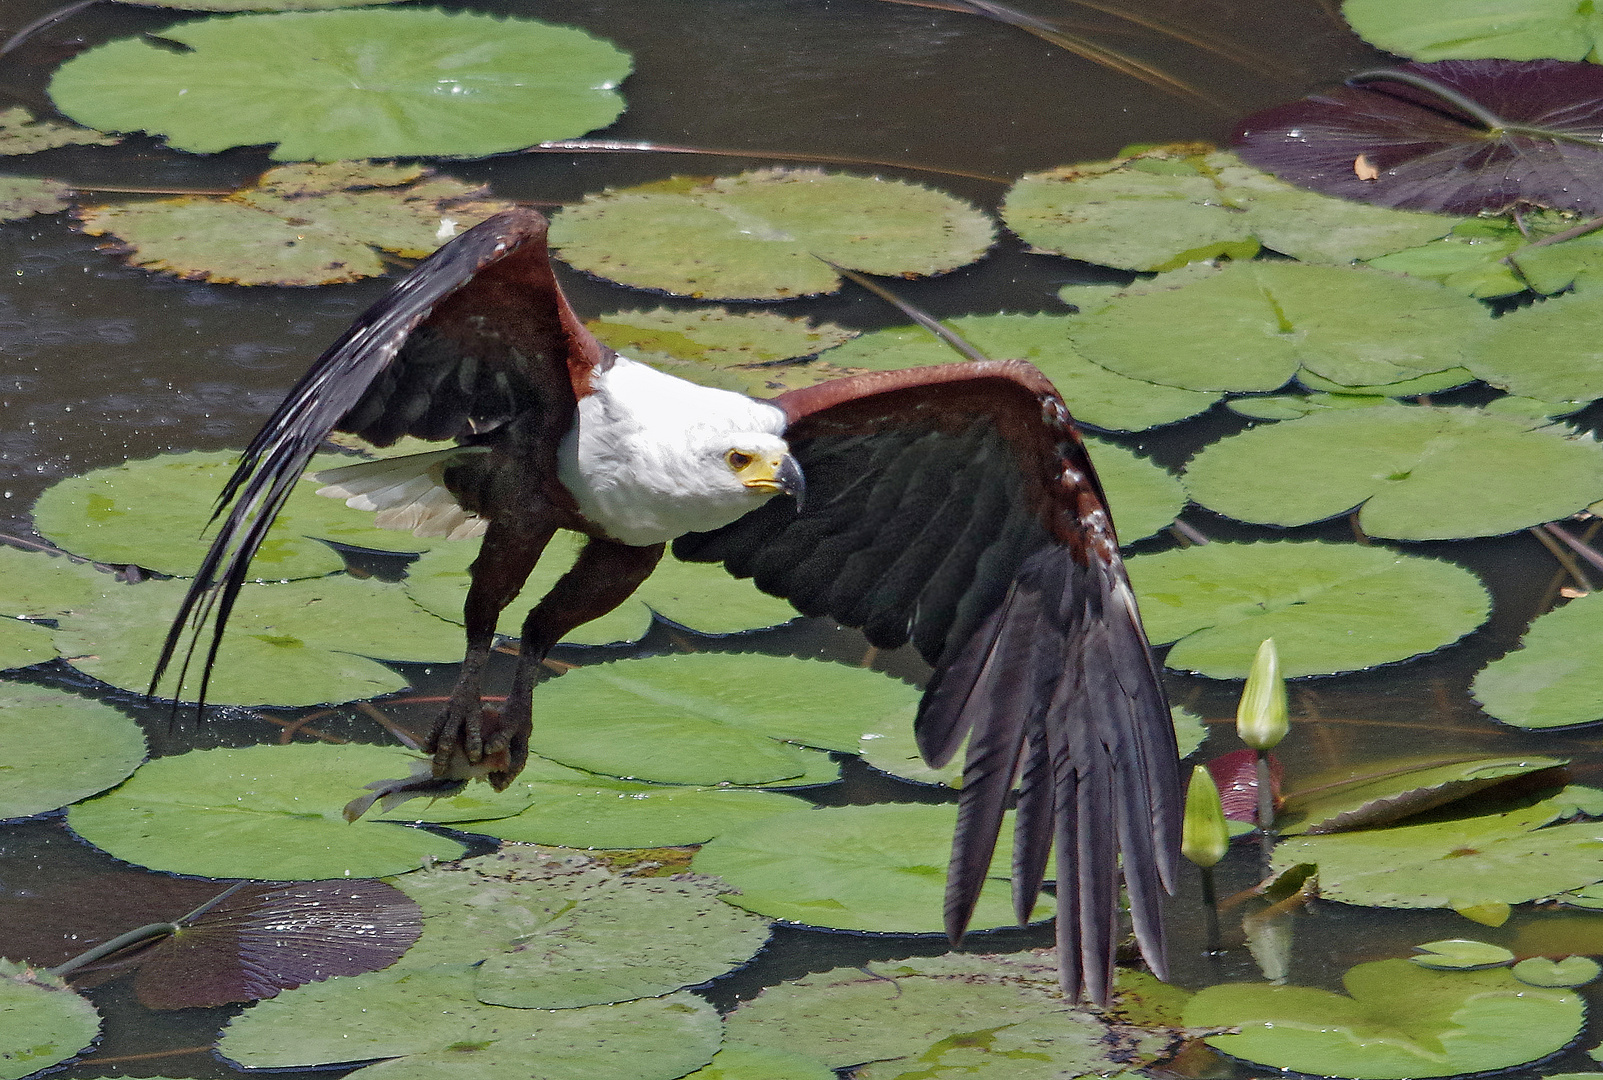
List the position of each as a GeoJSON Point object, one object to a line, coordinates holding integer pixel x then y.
{"type": "Point", "coordinates": [100, 363]}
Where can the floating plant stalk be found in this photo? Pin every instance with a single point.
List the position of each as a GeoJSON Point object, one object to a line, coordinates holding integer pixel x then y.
{"type": "Point", "coordinates": [1204, 839]}
{"type": "Point", "coordinates": [1261, 721]}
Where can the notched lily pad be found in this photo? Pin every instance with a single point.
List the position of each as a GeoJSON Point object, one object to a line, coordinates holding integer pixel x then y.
{"type": "Point", "coordinates": [1379, 793]}
{"type": "Point", "coordinates": [1497, 133]}
{"type": "Point", "coordinates": [1555, 677]}
{"type": "Point", "coordinates": [743, 351]}
{"type": "Point", "coordinates": [1513, 29]}
{"type": "Point", "coordinates": [1413, 472]}
{"type": "Point", "coordinates": [296, 225]}
{"type": "Point", "coordinates": [1571, 971]}
{"type": "Point", "coordinates": [42, 1023]}
{"type": "Point", "coordinates": [1095, 395]}
{"type": "Point", "coordinates": [878, 868]}
{"type": "Point", "coordinates": [264, 812]}
{"type": "Point", "coordinates": [1329, 607]}
{"type": "Point", "coordinates": [761, 235]}
{"type": "Point", "coordinates": [554, 929]}
{"type": "Point", "coordinates": [1166, 207]}
{"type": "Point", "coordinates": [970, 1015]}
{"type": "Point", "coordinates": [1547, 351]}
{"type": "Point", "coordinates": [713, 718]}
{"type": "Point", "coordinates": [401, 83]}
{"type": "Point", "coordinates": [1396, 1020]}
{"type": "Point", "coordinates": [1252, 326]}
{"type": "Point", "coordinates": [43, 770]}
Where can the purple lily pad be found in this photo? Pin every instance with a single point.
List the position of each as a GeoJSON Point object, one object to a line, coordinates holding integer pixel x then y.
{"type": "Point", "coordinates": [1504, 133]}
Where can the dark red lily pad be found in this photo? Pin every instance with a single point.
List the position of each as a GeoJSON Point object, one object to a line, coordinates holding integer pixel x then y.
{"type": "Point", "coordinates": [1236, 775]}
{"type": "Point", "coordinates": [258, 940]}
{"type": "Point", "coordinates": [1504, 133]}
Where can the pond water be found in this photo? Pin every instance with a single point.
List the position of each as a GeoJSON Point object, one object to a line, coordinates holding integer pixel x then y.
{"type": "Point", "coordinates": [100, 363]}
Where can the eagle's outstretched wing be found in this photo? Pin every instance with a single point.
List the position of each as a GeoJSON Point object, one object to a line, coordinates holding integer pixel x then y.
{"type": "Point", "coordinates": [475, 336]}
{"type": "Point", "coordinates": [954, 507]}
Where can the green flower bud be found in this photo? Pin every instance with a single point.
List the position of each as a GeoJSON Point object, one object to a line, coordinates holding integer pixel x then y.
{"type": "Point", "coordinates": [1204, 836]}
{"type": "Point", "coordinates": [1261, 717]}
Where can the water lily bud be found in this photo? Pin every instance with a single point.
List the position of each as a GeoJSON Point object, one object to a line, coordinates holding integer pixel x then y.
{"type": "Point", "coordinates": [1204, 836]}
{"type": "Point", "coordinates": [1261, 717]}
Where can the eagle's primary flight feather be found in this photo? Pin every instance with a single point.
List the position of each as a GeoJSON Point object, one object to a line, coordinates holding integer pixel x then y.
{"type": "Point", "coordinates": [950, 507]}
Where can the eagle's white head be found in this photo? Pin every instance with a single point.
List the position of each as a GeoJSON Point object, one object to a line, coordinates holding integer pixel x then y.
{"type": "Point", "coordinates": [652, 457]}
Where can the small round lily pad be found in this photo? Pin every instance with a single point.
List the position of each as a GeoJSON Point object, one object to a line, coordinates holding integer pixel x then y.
{"type": "Point", "coordinates": [1329, 607]}
{"type": "Point", "coordinates": [762, 235]}
{"type": "Point", "coordinates": [1413, 472]}
{"type": "Point", "coordinates": [413, 82]}
{"type": "Point", "coordinates": [43, 770]}
{"type": "Point", "coordinates": [1570, 971]}
{"type": "Point", "coordinates": [265, 812]}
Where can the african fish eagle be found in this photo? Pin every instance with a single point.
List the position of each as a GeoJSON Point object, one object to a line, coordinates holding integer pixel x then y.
{"type": "Point", "coordinates": [952, 507]}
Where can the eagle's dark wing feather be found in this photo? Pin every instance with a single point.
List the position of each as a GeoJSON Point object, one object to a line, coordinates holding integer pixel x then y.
{"type": "Point", "coordinates": [955, 508]}
{"type": "Point", "coordinates": [470, 339]}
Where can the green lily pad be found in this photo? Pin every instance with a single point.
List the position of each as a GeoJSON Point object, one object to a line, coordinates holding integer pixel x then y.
{"type": "Point", "coordinates": [599, 812]}
{"type": "Point", "coordinates": [1377, 793]}
{"type": "Point", "coordinates": [38, 585]}
{"type": "Point", "coordinates": [1294, 406]}
{"type": "Point", "coordinates": [1486, 257]}
{"type": "Point", "coordinates": [1507, 858]}
{"type": "Point", "coordinates": [152, 513]}
{"type": "Point", "coordinates": [701, 596]}
{"type": "Point", "coordinates": [298, 643]}
{"type": "Point", "coordinates": [1415, 472]}
{"type": "Point", "coordinates": [743, 351]}
{"type": "Point", "coordinates": [711, 718]}
{"type": "Point", "coordinates": [1095, 395]}
{"type": "Point", "coordinates": [892, 748]}
{"type": "Point", "coordinates": [399, 83]}
{"type": "Point", "coordinates": [1329, 607]}
{"type": "Point", "coordinates": [44, 771]}
{"type": "Point", "coordinates": [1170, 206]}
{"type": "Point", "coordinates": [1396, 1020]}
{"type": "Point", "coordinates": [1546, 351]}
{"type": "Point", "coordinates": [878, 868]}
{"type": "Point", "coordinates": [1252, 325]}
{"type": "Point", "coordinates": [23, 644]}
{"type": "Point", "coordinates": [1473, 29]}
{"type": "Point", "coordinates": [296, 225]}
{"type": "Point", "coordinates": [1434, 383]}
{"type": "Point", "coordinates": [22, 133]}
{"type": "Point", "coordinates": [25, 196]}
{"type": "Point", "coordinates": [42, 1023]}
{"type": "Point", "coordinates": [1460, 954]}
{"type": "Point", "coordinates": [429, 1022]}
{"type": "Point", "coordinates": [266, 812]}
{"type": "Point", "coordinates": [1571, 971]}
{"type": "Point", "coordinates": [557, 930]}
{"type": "Point", "coordinates": [760, 235]}
{"type": "Point", "coordinates": [739, 1062]}
{"type": "Point", "coordinates": [1554, 678]}
{"type": "Point", "coordinates": [985, 1016]}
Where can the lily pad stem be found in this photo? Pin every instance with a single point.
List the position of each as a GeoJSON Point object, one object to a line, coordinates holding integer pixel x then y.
{"type": "Point", "coordinates": [143, 933]}
{"type": "Point", "coordinates": [1210, 912]}
{"type": "Point", "coordinates": [1493, 123]}
{"type": "Point", "coordinates": [1266, 808]}
{"type": "Point", "coordinates": [1585, 551]}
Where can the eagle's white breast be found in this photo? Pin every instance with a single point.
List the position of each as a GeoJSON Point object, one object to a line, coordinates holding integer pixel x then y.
{"type": "Point", "coordinates": [645, 457]}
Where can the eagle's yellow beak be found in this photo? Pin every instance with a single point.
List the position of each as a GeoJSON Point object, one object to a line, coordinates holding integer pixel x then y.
{"type": "Point", "coordinates": [774, 474]}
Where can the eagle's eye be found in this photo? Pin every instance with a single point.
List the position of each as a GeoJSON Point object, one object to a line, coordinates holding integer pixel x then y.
{"type": "Point", "coordinates": [738, 459]}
